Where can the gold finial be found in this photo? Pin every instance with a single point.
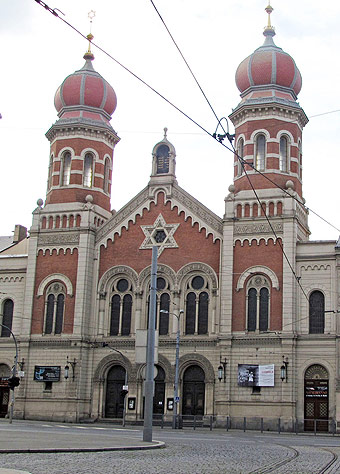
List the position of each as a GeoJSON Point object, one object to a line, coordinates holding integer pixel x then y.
{"type": "Point", "coordinates": [269, 29]}
{"type": "Point", "coordinates": [89, 54]}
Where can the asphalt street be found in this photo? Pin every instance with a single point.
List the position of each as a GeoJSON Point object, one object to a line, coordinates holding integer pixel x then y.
{"type": "Point", "coordinates": [186, 451]}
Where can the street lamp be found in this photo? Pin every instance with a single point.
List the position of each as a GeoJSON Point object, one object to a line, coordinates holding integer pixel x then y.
{"type": "Point", "coordinates": [284, 369]}
{"type": "Point", "coordinates": [222, 370]}
{"type": "Point", "coordinates": [69, 363]}
{"type": "Point", "coordinates": [176, 398]}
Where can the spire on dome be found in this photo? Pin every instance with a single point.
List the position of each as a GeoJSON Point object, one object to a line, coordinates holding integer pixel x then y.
{"type": "Point", "coordinates": [89, 55]}
{"type": "Point", "coordinates": [269, 30]}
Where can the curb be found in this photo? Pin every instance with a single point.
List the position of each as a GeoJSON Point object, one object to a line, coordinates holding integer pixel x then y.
{"type": "Point", "coordinates": [157, 445]}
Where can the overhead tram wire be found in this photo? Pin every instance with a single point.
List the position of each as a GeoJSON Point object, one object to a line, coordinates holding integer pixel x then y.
{"type": "Point", "coordinates": [54, 12]}
{"type": "Point", "coordinates": [243, 162]}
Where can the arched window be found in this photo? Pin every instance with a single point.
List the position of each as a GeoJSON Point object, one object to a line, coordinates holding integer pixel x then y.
{"type": "Point", "coordinates": [260, 152]}
{"type": "Point", "coordinates": [283, 154]}
{"type": "Point", "coordinates": [50, 171]}
{"type": "Point", "coordinates": [121, 308]}
{"type": "Point", "coordinates": [88, 170]}
{"type": "Point", "coordinates": [300, 159]}
{"type": "Point", "coordinates": [240, 151]}
{"type": "Point", "coordinates": [162, 306]}
{"type": "Point", "coordinates": [316, 313]}
{"type": "Point", "coordinates": [65, 168]}
{"type": "Point", "coordinates": [258, 304]}
{"type": "Point", "coordinates": [7, 318]}
{"type": "Point", "coordinates": [162, 155]}
{"type": "Point", "coordinates": [54, 308]}
{"type": "Point", "coordinates": [106, 175]}
{"type": "Point", "coordinates": [197, 306]}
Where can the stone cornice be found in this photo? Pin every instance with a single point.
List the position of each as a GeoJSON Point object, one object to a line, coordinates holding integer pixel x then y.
{"type": "Point", "coordinates": [89, 130]}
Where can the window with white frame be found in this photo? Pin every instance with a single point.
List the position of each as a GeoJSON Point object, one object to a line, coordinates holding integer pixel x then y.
{"type": "Point", "coordinates": [121, 308]}
{"type": "Point", "coordinates": [106, 175]}
{"type": "Point", "coordinates": [197, 306]}
{"type": "Point", "coordinates": [258, 298]}
{"type": "Point", "coordinates": [240, 151]}
{"type": "Point", "coordinates": [316, 313]}
{"type": "Point", "coordinates": [88, 170]}
{"type": "Point", "coordinates": [54, 308]}
{"type": "Point", "coordinates": [65, 168]}
{"type": "Point", "coordinates": [260, 151]}
{"type": "Point", "coordinates": [284, 154]}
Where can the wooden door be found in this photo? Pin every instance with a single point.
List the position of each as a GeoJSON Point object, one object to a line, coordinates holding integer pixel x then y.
{"type": "Point", "coordinates": [114, 405]}
{"type": "Point", "coordinates": [316, 405]}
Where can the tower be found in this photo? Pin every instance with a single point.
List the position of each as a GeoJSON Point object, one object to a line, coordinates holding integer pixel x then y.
{"type": "Point", "coordinates": [265, 215]}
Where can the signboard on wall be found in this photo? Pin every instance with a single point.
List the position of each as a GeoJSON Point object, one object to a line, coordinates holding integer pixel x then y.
{"type": "Point", "coordinates": [44, 373]}
{"type": "Point", "coordinates": [252, 375]}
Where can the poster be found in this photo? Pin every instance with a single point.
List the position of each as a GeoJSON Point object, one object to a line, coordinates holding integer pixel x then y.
{"type": "Point", "coordinates": [251, 375]}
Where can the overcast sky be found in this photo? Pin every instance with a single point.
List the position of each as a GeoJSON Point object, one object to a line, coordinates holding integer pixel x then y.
{"type": "Point", "coordinates": [38, 51]}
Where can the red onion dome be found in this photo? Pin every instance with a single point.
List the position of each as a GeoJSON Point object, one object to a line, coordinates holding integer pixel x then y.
{"type": "Point", "coordinates": [86, 94]}
{"type": "Point", "coordinates": [269, 65]}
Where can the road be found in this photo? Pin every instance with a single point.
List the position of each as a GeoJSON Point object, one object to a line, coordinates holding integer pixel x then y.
{"type": "Point", "coordinates": [186, 451]}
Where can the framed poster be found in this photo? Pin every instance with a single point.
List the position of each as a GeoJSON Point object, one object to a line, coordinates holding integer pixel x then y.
{"type": "Point", "coordinates": [131, 403]}
{"type": "Point", "coordinates": [44, 373]}
{"type": "Point", "coordinates": [251, 375]}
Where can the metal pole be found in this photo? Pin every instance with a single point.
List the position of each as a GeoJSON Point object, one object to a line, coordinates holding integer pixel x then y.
{"type": "Point", "coordinates": [14, 371]}
{"type": "Point", "coordinates": [174, 419]}
{"type": "Point", "coordinates": [150, 352]}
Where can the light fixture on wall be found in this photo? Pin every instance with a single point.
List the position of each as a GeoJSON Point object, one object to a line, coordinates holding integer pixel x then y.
{"type": "Point", "coordinates": [69, 363]}
{"type": "Point", "coordinates": [284, 369]}
{"type": "Point", "coordinates": [21, 364]}
{"type": "Point", "coordinates": [222, 370]}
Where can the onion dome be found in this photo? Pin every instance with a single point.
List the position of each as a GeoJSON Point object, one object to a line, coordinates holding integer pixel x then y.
{"type": "Point", "coordinates": [268, 67]}
{"type": "Point", "coordinates": [85, 95]}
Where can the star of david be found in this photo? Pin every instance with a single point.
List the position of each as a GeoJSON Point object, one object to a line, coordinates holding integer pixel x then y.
{"type": "Point", "coordinates": [160, 234]}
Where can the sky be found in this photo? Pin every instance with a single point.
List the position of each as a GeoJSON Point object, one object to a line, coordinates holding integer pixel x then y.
{"type": "Point", "coordinates": [38, 51]}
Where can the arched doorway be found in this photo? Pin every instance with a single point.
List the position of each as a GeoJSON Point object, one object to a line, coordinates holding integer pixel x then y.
{"type": "Point", "coordinates": [316, 398]}
{"type": "Point", "coordinates": [193, 391]}
{"type": "Point", "coordinates": [114, 405]}
{"type": "Point", "coordinates": [159, 396]}
{"type": "Point", "coordinates": [5, 373]}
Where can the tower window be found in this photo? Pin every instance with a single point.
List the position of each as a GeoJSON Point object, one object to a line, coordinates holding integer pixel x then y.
{"type": "Point", "coordinates": [50, 171]}
{"type": "Point", "coordinates": [240, 151]}
{"type": "Point", "coordinates": [66, 169]}
{"type": "Point", "coordinates": [88, 170]}
{"type": "Point", "coordinates": [260, 152]}
{"type": "Point", "coordinates": [258, 304]}
{"type": "Point", "coordinates": [283, 154]}
{"type": "Point", "coordinates": [106, 175]}
{"type": "Point", "coordinates": [316, 313]}
{"type": "Point", "coordinates": [55, 307]}
{"type": "Point", "coordinates": [162, 155]}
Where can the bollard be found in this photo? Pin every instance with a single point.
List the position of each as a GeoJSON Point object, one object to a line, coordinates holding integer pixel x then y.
{"type": "Point", "coordinates": [162, 422]}
{"type": "Point", "coordinates": [227, 423]}
{"type": "Point", "coordinates": [296, 426]}
{"type": "Point", "coordinates": [244, 424]}
{"type": "Point", "coordinates": [261, 425]}
{"type": "Point", "coordinates": [194, 422]}
{"type": "Point", "coordinates": [211, 422]}
{"type": "Point", "coordinates": [315, 427]}
{"type": "Point", "coordinates": [279, 426]}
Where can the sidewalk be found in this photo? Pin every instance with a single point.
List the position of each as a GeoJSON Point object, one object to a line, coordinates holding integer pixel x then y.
{"type": "Point", "coordinates": [49, 437]}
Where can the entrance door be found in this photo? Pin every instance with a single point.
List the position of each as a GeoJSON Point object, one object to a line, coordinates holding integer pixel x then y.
{"type": "Point", "coordinates": [159, 395]}
{"type": "Point", "coordinates": [316, 405]}
{"type": "Point", "coordinates": [193, 391]}
{"type": "Point", "coordinates": [114, 405]}
{"type": "Point", "coordinates": [4, 400]}
{"type": "Point", "coordinates": [316, 398]}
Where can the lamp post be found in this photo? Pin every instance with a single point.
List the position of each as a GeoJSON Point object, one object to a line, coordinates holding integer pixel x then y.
{"type": "Point", "coordinates": [14, 373]}
{"type": "Point", "coordinates": [176, 399]}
